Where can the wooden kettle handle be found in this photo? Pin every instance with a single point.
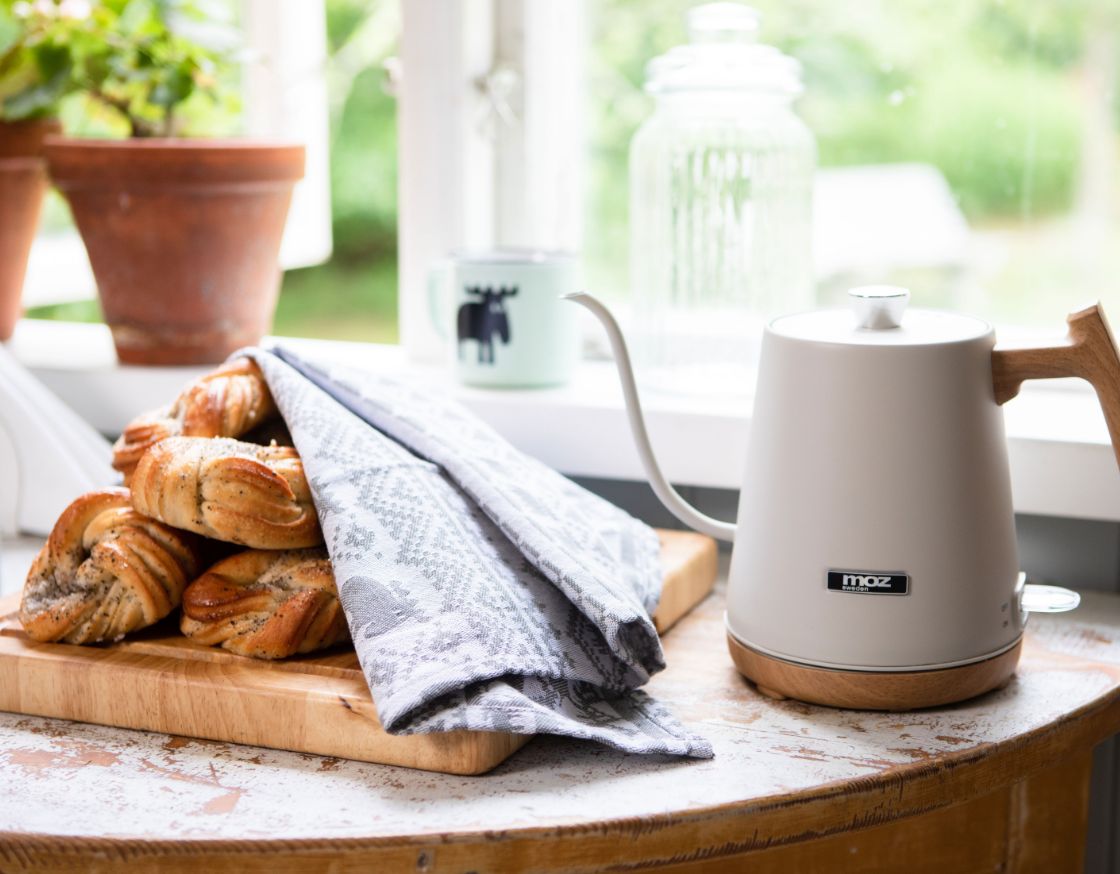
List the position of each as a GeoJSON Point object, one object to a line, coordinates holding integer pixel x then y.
{"type": "Point", "coordinates": [1089, 352]}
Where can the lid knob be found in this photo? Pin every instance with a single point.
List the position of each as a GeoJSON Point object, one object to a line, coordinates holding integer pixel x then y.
{"type": "Point", "coordinates": [879, 307]}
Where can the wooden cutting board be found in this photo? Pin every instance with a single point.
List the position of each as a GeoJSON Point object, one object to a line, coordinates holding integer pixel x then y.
{"type": "Point", "coordinates": [159, 680]}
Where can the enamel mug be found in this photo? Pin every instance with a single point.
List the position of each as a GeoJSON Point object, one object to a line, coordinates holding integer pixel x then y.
{"type": "Point", "coordinates": [501, 312]}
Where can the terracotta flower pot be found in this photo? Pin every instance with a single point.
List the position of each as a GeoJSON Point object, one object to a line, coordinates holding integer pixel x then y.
{"type": "Point", "coordinates": [23, 181]}
{"type": "Point", "coordinates": [183, 237]}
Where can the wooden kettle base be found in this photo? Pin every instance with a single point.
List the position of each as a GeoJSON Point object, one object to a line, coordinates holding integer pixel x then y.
{"type": "Point", "coordinates": [872, 690]}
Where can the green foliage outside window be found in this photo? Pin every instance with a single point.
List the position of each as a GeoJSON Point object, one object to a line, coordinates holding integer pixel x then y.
{"type": "Point", "coordinates": [992, 92]}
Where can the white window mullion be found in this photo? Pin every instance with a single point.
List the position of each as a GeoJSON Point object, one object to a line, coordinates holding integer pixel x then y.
{"type": "Point", "coordinates": [285, 91]}
{"type": "Point", "coordinates": [490, 138]}
{"type": "Point", "coordinates": [445, 154]}
{"type": "Point", "coordinates": [541, 158]}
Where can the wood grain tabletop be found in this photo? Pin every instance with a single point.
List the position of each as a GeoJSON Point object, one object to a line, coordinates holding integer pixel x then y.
{"type": "Point", "coordinates": [783, 773]}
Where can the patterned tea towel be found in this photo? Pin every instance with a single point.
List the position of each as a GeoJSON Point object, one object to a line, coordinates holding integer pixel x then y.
{"type": "Point", "coordinates": [483, 590]}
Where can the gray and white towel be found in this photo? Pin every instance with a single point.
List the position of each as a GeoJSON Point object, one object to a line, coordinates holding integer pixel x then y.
{"type": "Point", "coordinates": [483, 590]}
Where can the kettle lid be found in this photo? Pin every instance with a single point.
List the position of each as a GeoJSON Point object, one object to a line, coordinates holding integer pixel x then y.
{"type": "Point", "coordinates": [878, 316]}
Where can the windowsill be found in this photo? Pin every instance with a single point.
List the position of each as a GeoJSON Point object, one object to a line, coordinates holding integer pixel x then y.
{"type": "Point", "coordinates": [1061, 460]}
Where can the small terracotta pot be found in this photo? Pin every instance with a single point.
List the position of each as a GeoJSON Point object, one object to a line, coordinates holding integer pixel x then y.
{"type": "Point", "coordinates": [23, 181]}
{"type": "Point", "coordinates": [183, 237]}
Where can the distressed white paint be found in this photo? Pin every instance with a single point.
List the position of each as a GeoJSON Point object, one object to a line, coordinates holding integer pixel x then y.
{"type": "Point", "coordinates": [66, 778]}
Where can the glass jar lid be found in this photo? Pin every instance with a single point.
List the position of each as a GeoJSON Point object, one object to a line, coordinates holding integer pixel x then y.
{"type": "Point", "coordinates": [723, 54]}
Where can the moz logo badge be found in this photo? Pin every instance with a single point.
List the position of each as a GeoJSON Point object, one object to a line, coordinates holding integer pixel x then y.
{"type": "Point", "coordinates": [869, 582]}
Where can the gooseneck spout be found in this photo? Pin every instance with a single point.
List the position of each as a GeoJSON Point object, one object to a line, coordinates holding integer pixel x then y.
{"type": "Point", "coordinates": [661, 487]}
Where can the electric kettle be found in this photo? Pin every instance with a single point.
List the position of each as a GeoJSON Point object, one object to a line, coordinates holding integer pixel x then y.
{"type": "Point", "coordinates": [875, 564]}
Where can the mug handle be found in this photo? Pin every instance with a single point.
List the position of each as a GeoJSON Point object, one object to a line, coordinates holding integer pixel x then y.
{"type": "Point", "coordinates": [439, 288]}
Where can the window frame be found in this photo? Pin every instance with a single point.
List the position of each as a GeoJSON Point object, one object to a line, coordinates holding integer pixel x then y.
{"type": "Point", "coordinates": [516, 177]}
{"type": "Point", "coordinates": [1061, 461]}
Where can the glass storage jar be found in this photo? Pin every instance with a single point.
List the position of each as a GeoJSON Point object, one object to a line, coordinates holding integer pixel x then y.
{"type": "Point", "coordinates": [720, 206]}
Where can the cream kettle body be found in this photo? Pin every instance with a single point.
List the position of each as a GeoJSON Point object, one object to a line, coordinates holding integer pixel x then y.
{"type": "Point", "coordinates": [875, 561]}
{"type": "Point", "coordinates": [875, 521]}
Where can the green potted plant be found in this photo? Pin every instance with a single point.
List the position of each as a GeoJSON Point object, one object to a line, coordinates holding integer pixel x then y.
{"type": "Point", "coordinates": [183, 234]}
{"type": "Point", "coordinates": [34, 75]}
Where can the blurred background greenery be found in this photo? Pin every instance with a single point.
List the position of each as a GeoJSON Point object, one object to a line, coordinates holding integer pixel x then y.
{"type": "Point", "coordinates": [1003, 96]}
{"type": "Point", "coordinates": [354, 296]}
{"type": "Point", "coordinates": [1016, 102]}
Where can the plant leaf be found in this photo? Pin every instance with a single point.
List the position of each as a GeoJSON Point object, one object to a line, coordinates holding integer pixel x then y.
{"type": "Point", "coordinates": [39, 99]}
{"type": "Point", "coordinates": [10, 31]}
{"type": "Point", "coordinates": [175, 87]}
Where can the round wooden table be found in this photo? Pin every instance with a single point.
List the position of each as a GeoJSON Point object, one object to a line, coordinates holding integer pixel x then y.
{"type": "Point", "coordinates": [1002, 780]}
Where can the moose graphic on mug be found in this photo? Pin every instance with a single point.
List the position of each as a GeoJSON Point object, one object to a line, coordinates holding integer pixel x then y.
{"type": "Point", "coordinates": [481, 320]}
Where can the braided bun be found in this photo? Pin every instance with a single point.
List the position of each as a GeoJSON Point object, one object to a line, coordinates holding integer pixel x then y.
{"type": "Point", "coordinates": [105, 571]}
{"type": "Point", "coordinates": [266, 604]}
{"type": "Point", "coordinates": [229, 402]}
{"type": "Point", "coordinates": [238, 492]}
